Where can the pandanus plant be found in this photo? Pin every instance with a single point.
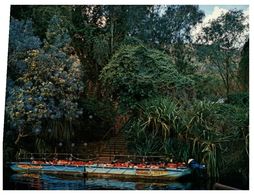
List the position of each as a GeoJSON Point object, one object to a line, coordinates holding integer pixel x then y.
{"type": "Point", "coordinates": [159, 116]}
{"type": "Point", "coordinates": [202, 130]}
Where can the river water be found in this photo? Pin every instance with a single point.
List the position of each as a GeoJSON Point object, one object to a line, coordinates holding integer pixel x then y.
{"type": "Point", "coordinates": [37, 181]}
{"type": "Point", "coordinates": [42, 181]}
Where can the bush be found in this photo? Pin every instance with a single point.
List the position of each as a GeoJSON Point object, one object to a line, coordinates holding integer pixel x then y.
{"type": "Point", "coordinates": [240, 98]}
{"type": "Point", "coordinates": [207, 131]}
{"type": "Point", "coordinates": [136, 73]}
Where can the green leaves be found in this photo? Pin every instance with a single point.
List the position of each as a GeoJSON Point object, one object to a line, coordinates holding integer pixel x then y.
{"type": "Point", "coordinates": [159, 116]}
{"type": "Point", "coordinates": [164, 26]}
{"type": "Point", "coordinates": [220, 42]}
{"type": "Point", "coordinates": [212, 128]}
{"type": "Point", "coordinates": [136, 73]}
{"type": "Point", "coordinates": [243, 70]}
{"type": "Point", "coordinates": [204, 130]}
{"type": "Point", "coordinates": [50, 87]}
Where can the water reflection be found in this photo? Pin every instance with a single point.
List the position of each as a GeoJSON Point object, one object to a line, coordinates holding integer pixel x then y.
{"type": "Point", "coordinates": [57, 182]}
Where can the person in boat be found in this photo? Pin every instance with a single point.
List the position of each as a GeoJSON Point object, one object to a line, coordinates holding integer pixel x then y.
{"type": "Point", "coordinates": [198, 169]}
{"type": "Point", "coordinates": [195, 165]}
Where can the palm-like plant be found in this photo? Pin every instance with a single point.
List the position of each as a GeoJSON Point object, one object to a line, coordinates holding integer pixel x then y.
{"type": "Point", "coordinates": [203, 130]}
{"type": "Point", "coordinates": [159, 116]}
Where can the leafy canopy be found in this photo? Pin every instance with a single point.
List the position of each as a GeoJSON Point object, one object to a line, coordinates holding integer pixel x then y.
{"type": "Point", "coordinates": [136, 73]}
{"type": "Point", "coordinates": [21, 39]}
{"type": "Point", "coordinates": [51, 86]}
{"type": "Point", "coordinates": [220, 43]}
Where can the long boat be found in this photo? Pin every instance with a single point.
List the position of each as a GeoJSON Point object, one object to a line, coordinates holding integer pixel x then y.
{"type": "Point", "coordinates": [169, 171]}
{"type": "Point", "coordinates": [139, 173]}
{"type": "Point", "coordinates": [45, 167]}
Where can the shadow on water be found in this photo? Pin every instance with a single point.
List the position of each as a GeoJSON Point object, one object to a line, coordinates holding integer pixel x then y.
{"type": "Point", "coordinates": [35, 181]}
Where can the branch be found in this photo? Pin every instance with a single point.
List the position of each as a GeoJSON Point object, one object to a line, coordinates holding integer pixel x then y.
{"type": "Point", "coordinates": [217, 64]}
{"type": "Point", "coordinates": [21, 135]}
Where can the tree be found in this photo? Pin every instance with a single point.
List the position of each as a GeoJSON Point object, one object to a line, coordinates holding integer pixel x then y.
{"type": "Point", "coordinates": [168, 28]}
{"type": "Point", "coordinates": [175, 24]}
{"type": "Point", "coordinates": [220, 41]}
{"type": "Point", "coordinates": [22, 39]}
{"type": "Point", "coordinates": [102, 29]}
{"type": "Point", "coordinates": [243, 73]}
{"type": "Point", "coordinates": [124, 20]}
{"type": "Point", "coordinates": [136, 73]}
{"type": "Point", "coordinates": [41, 15]}
{"type": "Point", "coordinates": [49, 89]}
{"type": "Point", "coordinates": [90, 39]}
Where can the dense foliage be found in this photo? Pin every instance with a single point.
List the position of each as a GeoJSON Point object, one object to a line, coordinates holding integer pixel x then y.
{"type": "Point", "coordinates": [136, 73]}
{"type": "Point", "coordinates": [220, 42]}
{"type": "Point", "coordinates": [21, 39]}
{"type": "Point", "coordinates": [184, 129]}
{"type": "Point", "coordinates": [243, 74]}
{"type": "Point", "coordinates": [49, 88]}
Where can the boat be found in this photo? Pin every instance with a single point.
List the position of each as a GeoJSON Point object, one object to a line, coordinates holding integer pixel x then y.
{"type": "Point", "coordinates": [171, 171]}
{"type": "Point", "coordinates": [138, 173]}
{"type": "Point", "coordinates": [46, 167]}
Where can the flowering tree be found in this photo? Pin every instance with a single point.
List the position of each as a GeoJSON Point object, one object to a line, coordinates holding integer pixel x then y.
{"type": "Point", "coordinates": [50, 87]}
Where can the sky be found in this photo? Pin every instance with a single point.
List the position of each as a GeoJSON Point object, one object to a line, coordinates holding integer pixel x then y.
{"type": "Point", "coordinates": [208, 9]}
{"type": "Point", "coordinates": [214, 11]}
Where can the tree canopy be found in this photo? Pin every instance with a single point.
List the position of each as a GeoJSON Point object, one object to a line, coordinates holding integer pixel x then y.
{"type": "Point", "coordinates": [137, 72]}
{"type": "Point", "coordinates": [221, 41]}
{"type": "Point", "coordinates": [49, 88]}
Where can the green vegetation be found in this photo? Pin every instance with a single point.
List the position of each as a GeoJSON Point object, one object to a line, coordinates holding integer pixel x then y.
{"type": "Point", "coordinates": [243, 74]}
{"type": "Point", "coordinates": [224, 33]}
{"type": "Point", "coordinates": [136, 73]}
{"type": "Point", "coordinates": [191, 128]}
{"type": "Point", "coordinates": [48, 89]}
{"type": "Point", "coordinates": [73, 71]}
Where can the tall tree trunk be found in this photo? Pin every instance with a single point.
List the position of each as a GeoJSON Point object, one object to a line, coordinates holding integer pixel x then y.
{"type": "Point", "coordinates": [227, 78]}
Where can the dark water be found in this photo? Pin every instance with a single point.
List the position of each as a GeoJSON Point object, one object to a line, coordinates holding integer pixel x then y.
{"type": "Point", "coordinates": [36, 181]}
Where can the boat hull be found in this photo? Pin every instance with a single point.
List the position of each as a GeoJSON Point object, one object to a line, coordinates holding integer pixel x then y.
{"type": "Point", "coordinates": [29, 167]}
{"type": "Point", "coordinates": [100, 171]}
{"type": "Point", "coordinates": [139, 173]}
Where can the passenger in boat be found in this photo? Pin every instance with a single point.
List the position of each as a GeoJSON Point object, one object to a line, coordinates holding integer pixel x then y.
{"type": "Point", "coordinates": [181, 165]}
{"type": "Point", "coordinates": [154, 167]}
{"type": "Point", "coordinates": [172, 165]}
{"type": "Point", "coordinates": [162, 165]}
{"type": "Point", "coordinates": [131, 165]}
{"type": "Point", "coordinates": [37, 162]}
{"type": "Point", "coordinates": [195, 165]}
{"type": "Point", "coordinates": [141, 165]}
